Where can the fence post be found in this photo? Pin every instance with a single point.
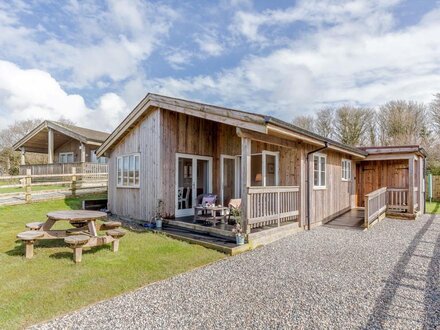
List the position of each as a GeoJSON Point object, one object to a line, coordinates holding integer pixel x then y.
{"type": "Point", "coordinates": [278, 208]}
{"type": "Point", "coordinates": [73, 184]}
{"type": "Point", "coordinates": [366, 219]}
{"type": "Point", "coordinates": [27, 186]}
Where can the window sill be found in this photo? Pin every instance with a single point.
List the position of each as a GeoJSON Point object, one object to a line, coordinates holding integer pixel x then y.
{"type": "Point", "coordinates": [319, 188]}
{"type": "Point", "coordinates": [127, 187]}
{"type": "Point", "coordinates": [346, 180]}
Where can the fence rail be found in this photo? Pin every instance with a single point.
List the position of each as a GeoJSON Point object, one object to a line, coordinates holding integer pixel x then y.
{"type": "Point", "coordinates": [397, 199]}
{"type": "Point", "coordinates": [72, 182]}
{"type": "Point", "coordinates": [272, 205]}
{"type": "Point", "coordinates": [375, 205]}
{"type": "Point", "coordinates": [64, 168]}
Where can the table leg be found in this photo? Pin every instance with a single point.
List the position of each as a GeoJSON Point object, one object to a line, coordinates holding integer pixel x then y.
{"type": "Point", "coordinates": [92, 228]}
{"type": "Point", "coordinates": [47, 225]}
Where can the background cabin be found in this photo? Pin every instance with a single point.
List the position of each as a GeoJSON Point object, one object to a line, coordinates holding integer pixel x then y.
{"type": "Point", "coordinates": [66, 146]}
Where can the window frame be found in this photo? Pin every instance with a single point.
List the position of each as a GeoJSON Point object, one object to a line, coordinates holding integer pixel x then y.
{"type": "Point", "coordinates": [67, 153]}
{"type": "Point", "coordinates": [346, 168]}
{"type": "Point", "coordinates": [320, 186]}
{"type": "Point", "coordinates": [130, 174]}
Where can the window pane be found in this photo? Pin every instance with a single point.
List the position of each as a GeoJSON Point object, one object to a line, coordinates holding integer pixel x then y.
{"type": "Point", "coordinates": [126, 170]}
{"type": "Point", "coordinates": [316, 178]}
{"type": "Point", "coordinates": [322, 171]}
{"type": "Point", "coordinates": [119, 169]}
{"type": "Point", "coordinates": [270, 170]}
{"type": "Point", "coordinates": [316, 163]}
{"type": "Point", "coordinates": [136, 170]}
{"type": "Point", "coordinates": [256, 170]}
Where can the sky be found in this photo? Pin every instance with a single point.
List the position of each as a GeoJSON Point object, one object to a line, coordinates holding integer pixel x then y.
{"type": "Point", "coordinates": [93, 61]}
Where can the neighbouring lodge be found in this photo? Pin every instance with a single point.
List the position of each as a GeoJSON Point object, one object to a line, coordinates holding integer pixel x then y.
{"type": "Point", "coordinates": [66, 146]}
{"type": "Point", "coordinates": [172, 151]}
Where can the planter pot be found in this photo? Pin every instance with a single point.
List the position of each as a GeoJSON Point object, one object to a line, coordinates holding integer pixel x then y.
{"type": "Point", "coordinates": [239, 240]}
{"type": "Point", "coordinates": [158, 223]}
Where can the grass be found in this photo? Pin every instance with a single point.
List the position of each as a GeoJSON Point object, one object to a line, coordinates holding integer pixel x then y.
{"type": "Point", "coordinates": [433, 207]}
{"type": "Point", "coordinates": [50, 284]}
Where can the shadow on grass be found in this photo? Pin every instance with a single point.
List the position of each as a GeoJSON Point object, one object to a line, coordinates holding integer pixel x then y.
{"type": "Point", "coordinates": [68, 254]}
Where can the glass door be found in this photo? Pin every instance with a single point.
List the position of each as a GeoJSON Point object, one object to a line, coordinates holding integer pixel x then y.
{"type": "Point", "coordinates": [193, 178]}
{"type": "Point", "coordinates": [228, 178]}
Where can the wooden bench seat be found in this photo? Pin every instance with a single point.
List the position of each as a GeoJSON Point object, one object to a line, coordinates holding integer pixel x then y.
{"type": "Point", "coordinates": [28, 238]}
{"type": "Point", "coordinates": [34, 225]}
{"type": "Point", "coordinates": [110, 225]}
{"type": "Point", "coordinates": [76, 242]}
{"type": "Point", "coordinates": [116, 234]}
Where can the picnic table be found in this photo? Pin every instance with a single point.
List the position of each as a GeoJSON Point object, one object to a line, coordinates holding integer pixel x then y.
{"type": "Point", "coordinates": [84, 231]}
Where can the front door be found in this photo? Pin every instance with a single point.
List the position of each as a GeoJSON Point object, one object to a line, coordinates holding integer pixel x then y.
{"type": "Point", "coordinates": [193, 178]}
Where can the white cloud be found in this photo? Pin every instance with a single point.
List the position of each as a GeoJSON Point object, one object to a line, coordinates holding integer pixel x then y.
{"type": "Point", "coordinates": [209, 44]}
{"type": "Point", "coordinates": [35, 94]}
{"type": "Point", "coordinates": [331, 66]}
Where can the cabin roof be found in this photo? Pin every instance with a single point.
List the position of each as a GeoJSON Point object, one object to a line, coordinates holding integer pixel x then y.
{"type": "Point", "coordinates": [36, 140]}
{"type": "Point", "coordinates": [238, 118]}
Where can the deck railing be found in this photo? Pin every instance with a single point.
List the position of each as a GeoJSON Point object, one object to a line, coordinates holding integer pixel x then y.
{"type": "Point", "coordinates": [272, 205]}
{"type": "Point", "coordinates": [375, 205]}
{"type": "Point", "coordinates": [397, 199]}
{"type": "Point", "coordinates": [64, 168]}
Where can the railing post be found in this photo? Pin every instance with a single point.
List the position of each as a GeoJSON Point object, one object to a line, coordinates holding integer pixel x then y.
{"type": "Point", "coordinates": [245, 182]}
{"type": "Point", "coordinates": [278, 208]}
{"type": "Point", "coordinates": [366, 215]}
{"type": "Point", "coordinates": [73, 184]}
{"type": "Point", "coordinates": [28, 186]}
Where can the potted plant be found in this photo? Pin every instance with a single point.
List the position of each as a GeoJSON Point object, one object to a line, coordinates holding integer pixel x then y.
{"type": "Point", "coordinates": [239, 238]}
{"type": "Point", "coordinates": [159, 211]}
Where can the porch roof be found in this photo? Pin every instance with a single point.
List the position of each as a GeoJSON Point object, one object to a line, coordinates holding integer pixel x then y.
{"type": "Point", "coordinates": [393, 152]}
{"type": "Point", "coordinates": [37, 141]}
{"type": "Point", "coordinates": [240, 119]}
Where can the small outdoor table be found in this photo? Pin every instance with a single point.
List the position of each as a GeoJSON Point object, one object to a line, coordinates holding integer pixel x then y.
{"type": "Point", "coordinates": [209, 213]}
{"type": "Point", "coordinates": [75, 217]}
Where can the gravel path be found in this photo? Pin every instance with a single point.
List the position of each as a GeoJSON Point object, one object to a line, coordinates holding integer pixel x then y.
{"type": "Point", "coordinates": [388, 277]}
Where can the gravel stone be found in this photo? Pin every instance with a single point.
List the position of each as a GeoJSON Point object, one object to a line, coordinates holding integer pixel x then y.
{"type": "Point", "coordinates": [387, 277]}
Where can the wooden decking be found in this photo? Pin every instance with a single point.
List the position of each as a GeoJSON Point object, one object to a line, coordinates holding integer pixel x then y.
{"type": "Point", "coordinates": [352, 219]}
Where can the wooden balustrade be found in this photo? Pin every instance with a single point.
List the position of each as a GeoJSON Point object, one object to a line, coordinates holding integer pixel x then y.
{"type": "Point", "coordinates": [397, 199]}
{"type": "Point", "coordinates": [375, 205]}
{"type": "Point", "coordinates": [272, 205]}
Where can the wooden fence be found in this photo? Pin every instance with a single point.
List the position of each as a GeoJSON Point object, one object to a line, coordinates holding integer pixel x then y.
{"type": "Point", "coordinates": [272, 205]}
{"type": "Point", "coordinates": [66, 168]}
{"type": "Point", "coordinates": [71, 182]}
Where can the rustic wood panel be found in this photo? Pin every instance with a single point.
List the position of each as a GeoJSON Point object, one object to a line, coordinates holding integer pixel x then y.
{"type": "Point", "coordinates": [138, 203]}
{"type": "Point", "coordinates": [373, 175]}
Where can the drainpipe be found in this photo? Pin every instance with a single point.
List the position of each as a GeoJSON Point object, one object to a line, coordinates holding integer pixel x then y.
{"type": "Point", "coordinates": [308, 181]}
{"type": "Point", "coordinates": [424, 185]}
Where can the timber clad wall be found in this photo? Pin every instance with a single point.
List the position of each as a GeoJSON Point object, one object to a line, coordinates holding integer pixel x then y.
{"type": "Point", "coordinates": [336, 198]}
{"type": "Point", "coordinates": [73, 146]}
{"type": "Point", "coordinates": [138, 203]}
{"type": "Point", "coordinates": [373, 175]}
{"type": "Point", "coordinates": [162, 134]}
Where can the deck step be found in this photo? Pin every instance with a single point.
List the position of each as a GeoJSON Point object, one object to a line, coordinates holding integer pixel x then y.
{"type": "Point", "coordinates": [201, 229]}
{"type": "Point", "coordinates": [224, 245]}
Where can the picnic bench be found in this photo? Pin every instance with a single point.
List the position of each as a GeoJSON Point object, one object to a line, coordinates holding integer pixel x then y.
{"type": "Point", "coordinates": [83, 234]}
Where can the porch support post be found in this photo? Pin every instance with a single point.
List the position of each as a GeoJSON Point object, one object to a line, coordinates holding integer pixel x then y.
{"type": "Point", "coordinates": [421, 186]}
{"type": "Point", "coordinates": [23, 156]}
{"type": "Point", "coordinates": [411, 185]}
{"type": "Point", "coordinates": [50, 146]}
{"type": "Point", "coordinates": [83, 153]}
{"type": "Point", "coordinates": [302, 182]}
{"type": "Point", "coordinates": [245, 181]}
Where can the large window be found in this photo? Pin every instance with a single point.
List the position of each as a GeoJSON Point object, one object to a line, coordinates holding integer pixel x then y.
{"type": "Point", "coordinates": [265, 169]}
{"type": "Point", "coordinates": [65, 157]}
{"type": "Point", "coordinates": [346, 170]}
{"type": "Point", "coordinates": [128, 171]}
{"type": "Point", "coordinates": [319, 171]}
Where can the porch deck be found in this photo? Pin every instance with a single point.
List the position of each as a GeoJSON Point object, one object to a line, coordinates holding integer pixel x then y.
{"type": "Point", "coordinates": [352, 219]}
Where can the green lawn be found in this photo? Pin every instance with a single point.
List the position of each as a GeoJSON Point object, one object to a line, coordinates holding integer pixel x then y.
{"type": "Point", "coordinates": [433, 207]}
{"type": "Point", "coordinates": [51, 284]}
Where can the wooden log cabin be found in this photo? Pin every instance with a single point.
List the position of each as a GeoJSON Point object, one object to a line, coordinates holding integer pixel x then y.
{"type": "Point", "coordinates": [172, 150]}
{"type": "Point", "coordinates": [66, 146]}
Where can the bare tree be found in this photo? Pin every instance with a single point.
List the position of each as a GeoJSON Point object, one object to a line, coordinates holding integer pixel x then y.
{"type": "Point", "coordinates": [324, 122]}
{"type": "Point", "coordinates": [435, 112]}
{"type": "Point", "coordinates": [306, 122]}
{"type": "Point", "coordinates": [403, 122]}
{"type": "Point", "coordinates": [351, 125]}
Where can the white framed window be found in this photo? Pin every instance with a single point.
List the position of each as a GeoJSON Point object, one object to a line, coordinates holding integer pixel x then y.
{"type": "Point", "coordinates": [265, 169]}
{"type": "Point", "coordinates": [128, 171]}
{"type": "Point", "coordinates": [65, 157]}
{"type": "Point", "coordinates": [346, 170]}
{"type": "Point", "coordinates": [319, 171]}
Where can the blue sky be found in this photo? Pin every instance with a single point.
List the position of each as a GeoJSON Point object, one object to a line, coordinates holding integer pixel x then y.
{"type": "Point", "coordinates": [93, 61]}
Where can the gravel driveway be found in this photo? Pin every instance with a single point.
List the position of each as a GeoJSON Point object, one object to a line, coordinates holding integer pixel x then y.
{"type": "Point", "coordinates": [388, 277]}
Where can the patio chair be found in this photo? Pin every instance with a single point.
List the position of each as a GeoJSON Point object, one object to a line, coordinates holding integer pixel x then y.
{"type": "Point", "coordinates": [202, 199]}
